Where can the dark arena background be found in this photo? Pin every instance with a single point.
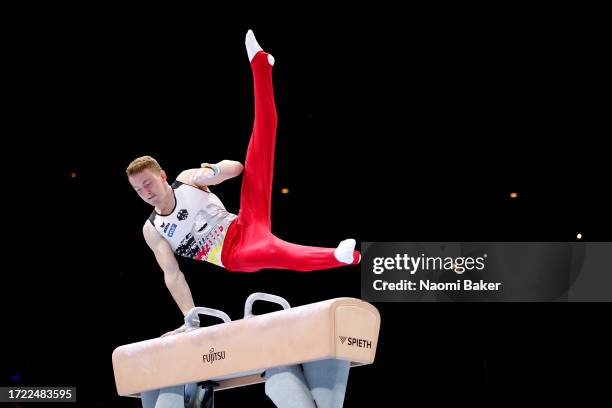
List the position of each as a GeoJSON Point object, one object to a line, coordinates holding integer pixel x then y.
{"type": "Point", "coordinates": [412, 125]}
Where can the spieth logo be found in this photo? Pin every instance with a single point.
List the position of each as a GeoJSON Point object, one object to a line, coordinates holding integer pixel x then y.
{"type": "Point", "coordinates": [352, 341]}
{"type": "Point", "coordinates": [213, 356]}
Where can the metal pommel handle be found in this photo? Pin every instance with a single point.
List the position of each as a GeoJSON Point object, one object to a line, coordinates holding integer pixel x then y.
{"type": "Point", "coordinates": [192, 321]}
{"type": "Point", "coordinates": [248, 306]}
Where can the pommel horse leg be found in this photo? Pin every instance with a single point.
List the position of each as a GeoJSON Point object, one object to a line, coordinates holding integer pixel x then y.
{"type": "Point", "coordinates": [169, 397]}
{"type": "Point", "coordinates": [301, 386]}
{"type": "Point", "coordinates": [181, 396]}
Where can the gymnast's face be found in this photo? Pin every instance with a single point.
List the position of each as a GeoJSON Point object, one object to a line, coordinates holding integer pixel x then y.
{"type": "Point", "coordinates": [150, 185]}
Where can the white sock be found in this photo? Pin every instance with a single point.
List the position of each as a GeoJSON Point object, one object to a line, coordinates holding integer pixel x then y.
{"type": "Point", "coordinates": [253, 47]}
{"type": "Point", "coordinates": [344, 252]}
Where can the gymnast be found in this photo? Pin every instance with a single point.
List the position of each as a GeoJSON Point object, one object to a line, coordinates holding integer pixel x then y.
{"type": "Point", "coordinates": [189, 220]}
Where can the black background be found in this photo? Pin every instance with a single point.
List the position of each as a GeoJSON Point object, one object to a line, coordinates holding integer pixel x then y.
{"type": "Point", "coordinates": [410, 125]}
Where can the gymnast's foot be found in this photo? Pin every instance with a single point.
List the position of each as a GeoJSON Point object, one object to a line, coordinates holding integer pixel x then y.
{"type": "Point", "coordinates": [253, 47]}
{"type": "Point", "coordinates": [345, 251]}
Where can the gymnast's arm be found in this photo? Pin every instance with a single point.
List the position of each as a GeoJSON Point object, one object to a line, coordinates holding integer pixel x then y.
{"type": "Point", "coordinates": [211, 174]}
{"type": "Point", "coordinates": [173, 277]}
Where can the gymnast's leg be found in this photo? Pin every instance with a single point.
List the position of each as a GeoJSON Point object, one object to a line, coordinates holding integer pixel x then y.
{"type": "Point", "coordinates": [252, 245]}
{"type": "Point", "coordinates": [286, 255]}
{"type": "Point", "coordinates": [256, 190]}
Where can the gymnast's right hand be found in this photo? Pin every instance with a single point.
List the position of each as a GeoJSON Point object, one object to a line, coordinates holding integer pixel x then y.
{"type": "Point", "coordinates": [175, 331]}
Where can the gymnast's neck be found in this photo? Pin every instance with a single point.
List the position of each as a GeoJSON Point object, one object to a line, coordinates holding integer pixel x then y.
{"type": "Point", "coordinates": [166, 206]}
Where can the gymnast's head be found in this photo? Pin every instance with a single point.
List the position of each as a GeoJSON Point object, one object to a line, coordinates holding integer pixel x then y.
{"type": "Point", "coordinates": [148, 179]}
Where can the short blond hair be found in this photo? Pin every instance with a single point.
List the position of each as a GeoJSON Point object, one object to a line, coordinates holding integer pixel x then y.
{"type": "Point", "coordinates": [141, 164]}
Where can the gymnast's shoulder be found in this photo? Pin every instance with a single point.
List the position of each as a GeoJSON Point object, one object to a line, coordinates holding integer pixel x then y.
{"type": "Point", "coordinates": [149, 232]}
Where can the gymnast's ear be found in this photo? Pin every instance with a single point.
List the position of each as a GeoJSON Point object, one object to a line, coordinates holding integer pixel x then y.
{"type": "Point", "coordinates": [163, 175]}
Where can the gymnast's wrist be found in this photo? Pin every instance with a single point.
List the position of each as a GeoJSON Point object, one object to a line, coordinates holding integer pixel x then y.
{"type": "Point", "coordinates": [195, 320]}
{"type": "Point", "coordinates": [214, 167]}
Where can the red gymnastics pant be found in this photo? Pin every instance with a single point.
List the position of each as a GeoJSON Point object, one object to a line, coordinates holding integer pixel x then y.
{"type": "Point", "coordinates": [249, 244]}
